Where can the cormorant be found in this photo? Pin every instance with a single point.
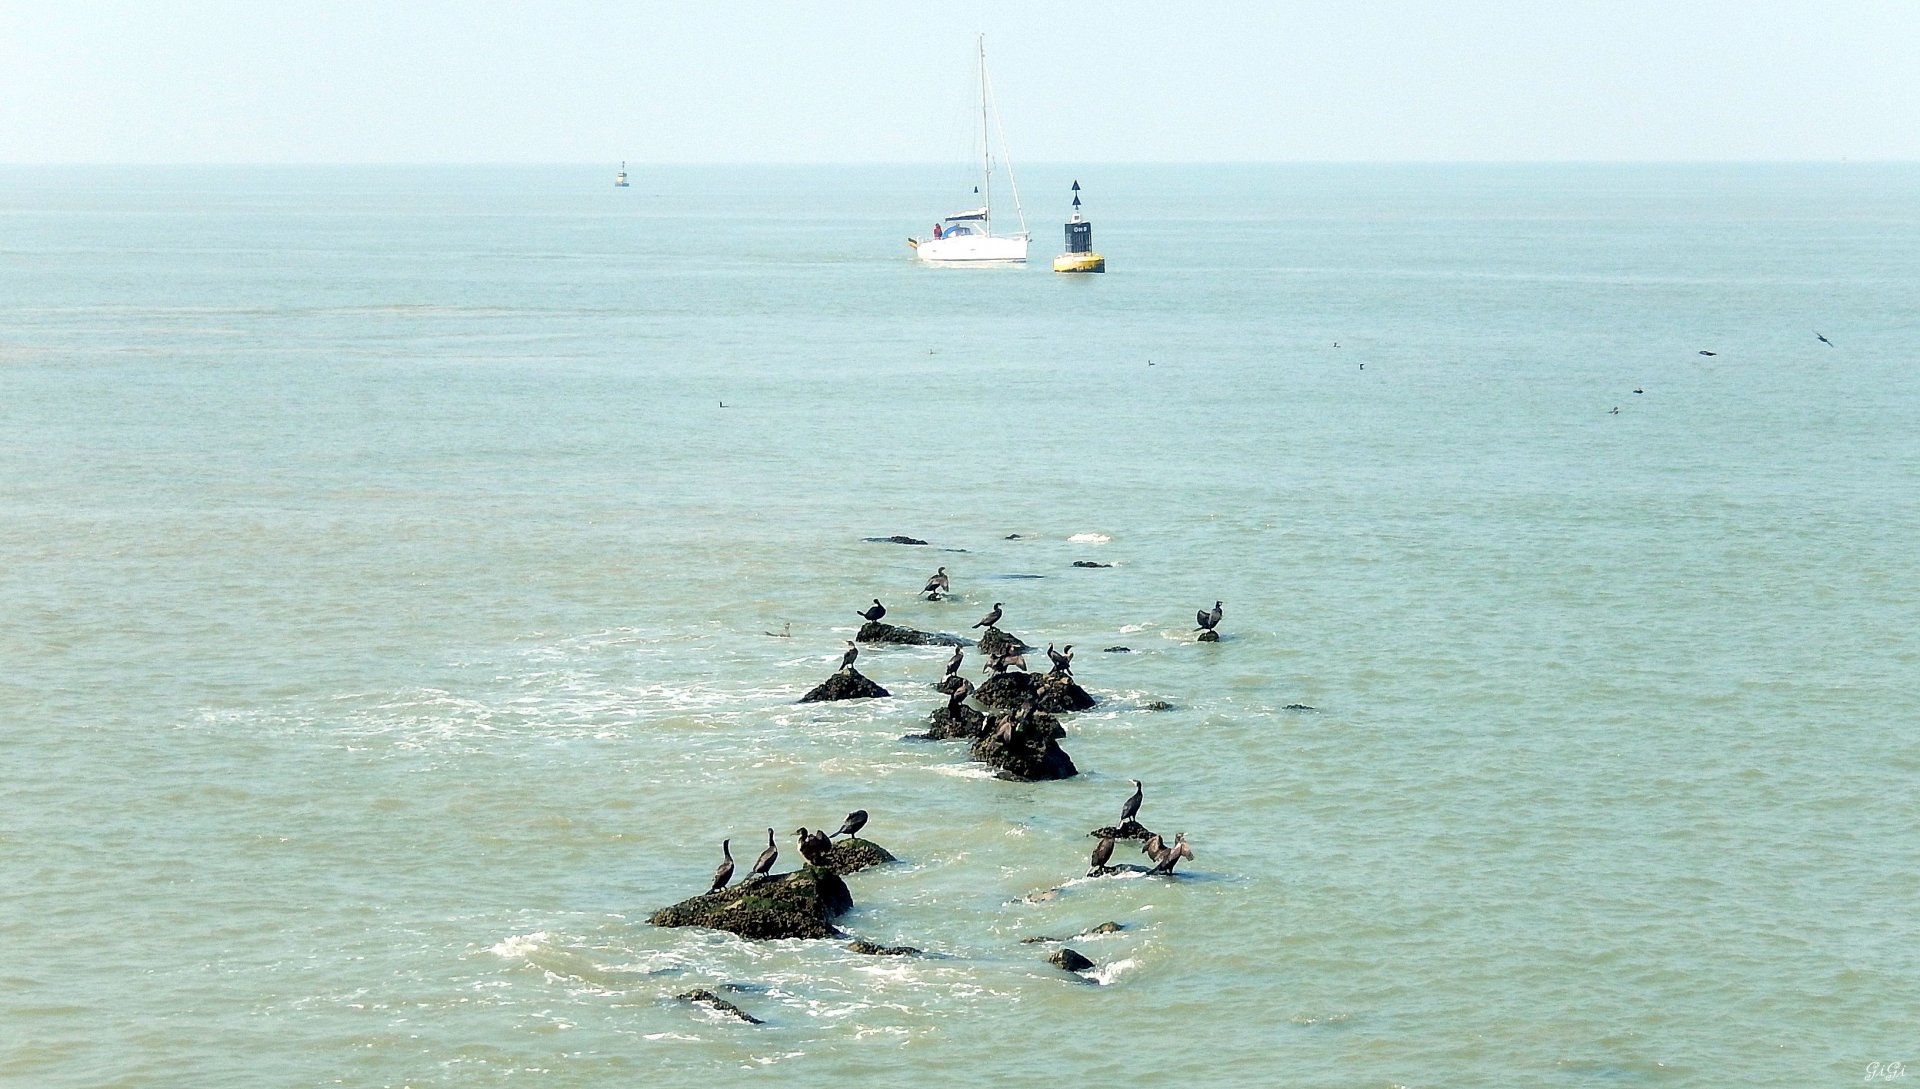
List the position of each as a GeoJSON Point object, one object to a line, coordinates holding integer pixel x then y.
{"type": "Point", "coordinates": [1208, 620]}
{"type": "Point", "coordinates": [1010, 659]}
{"type": "Point", "coordinates": [1062, 660]}
{"type": "Point", "coordinates": [874, 613]}
{"type": "Point", "coordinates": [1170, 857]}
{"type": "Point", "coordinates": [959, 696]}
{"type": "Point", "coordinates": [936, 585]}
{"type": "Point", "coordinates": [1131, 807]}
{"type": "Point", "coordinates": [1101, 852]}
{"type": "Point", "coordinates": [991, 618]}
{"type": "Point", "coordinates": [855, 821]}
{"type": "Point", "coordinates": [1709, 353]}
{"type": "Point", "coordinates": [767, 858]}
{"type": "Point", "coordinates": [1153, 847]}
{"type": "Point", "coordinates": [953, 663]}
{"type": "Point", "coordinates": [723, 873]}
{"type": "Point", "coordinates": [846, 660]}
{"type": "Point", "coordinates": [814, 846]}
{"type": "Point", "coordinates": [1822, 340]}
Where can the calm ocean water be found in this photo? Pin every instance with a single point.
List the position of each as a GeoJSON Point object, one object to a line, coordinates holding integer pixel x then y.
{"type": "Point", "coordinates": [385, 587]}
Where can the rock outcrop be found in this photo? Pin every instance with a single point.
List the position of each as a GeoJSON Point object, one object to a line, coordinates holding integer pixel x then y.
{"type": "Point", "coordinates": [853, 854]}
{"type": "Point", "coordinates": [944, 725]}
{"type": "Point", "coordinates": [877, 631]}
{"type": "Point", "coordinates": [895, 539]}
{"type": "Point", "coordinates": [869, 949]}
{"type": "Point", "coordinates": [714, 1001]}
{"type": "Point", "coordinates": [1031, 756]}
{"type": "Point", "coordinates": [1130, 830]}
{"type": "Point", "coordinates": [1054, 692]}
{"type": "Point", "coordinates": [1209, 636]}
{"type": "Point", "coordinates": [1090, 563]}
{"type": "Point", "coordinates": [1118, 650]}
{"type": "Point", "coordinates": [801, 904]}
{"type": "Point", "coordinates": [1068, 960]}
{"type": "Point", "coordinates": [994, 642]}
{"type": "Point", "coordinates": [848, 684]}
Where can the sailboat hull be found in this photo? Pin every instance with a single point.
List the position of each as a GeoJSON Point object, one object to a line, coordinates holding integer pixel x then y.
{"type": "Point", "coordinates": [972, 250]}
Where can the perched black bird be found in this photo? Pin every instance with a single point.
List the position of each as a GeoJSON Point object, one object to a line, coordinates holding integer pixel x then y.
{"type": "Point", "coordinates": [936, 585]}
{"type": "Point", "coordinates": [1208, 620]}
{"type": "Point", "coordinates": [814, 846]}
{"type": "Point", "coordinates": [1170, 857]}
{"type": "Point", "coordinates": [1102, 851]}
{"type": "Point", "coordinates": [959, 696]}
{"type": "Point", "coordinates": [723, 873]}
{"type": "Point", "coordinates": [855, 821]}
{"type": "Point", "coordinates": [874, 613]}
{"type": "Point", "coordinates": [1130, 809]}
{"type": "Point", "coordinates": [991, 618]}
{"type": "Point", "coordinates": [1823, 340]}
{"type": "Point", "coordinates": [846, 660]}
{"type": "Point", "coordinates": [1062, 660]}
{"type": "Point", "coordinates": [953, 663]}
{"type": "Point", "coordinates": [767, 858]}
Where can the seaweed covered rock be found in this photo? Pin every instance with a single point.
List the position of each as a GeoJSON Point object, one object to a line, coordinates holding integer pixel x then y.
{"type": "Point", "coordinates": [946, 685]}
{"type": "Point", "coordinates": [878, 631]}
{"type": "Point", "coordinates": [994, 642]}
{"type": "Point", "coordinates": [801, 904]}
{"type": "Point", "coordinates": [848, 684]}
{"type": "Point", "coordinates": [1030, 756]}
{"type": "Point", "coordinates": [713, 1001]}
{"type": "Point", "coordinates": [1068, 960]}
{"type": "Point", "coordinates": [945, 725]}
{"type": "Point", "coordinates": [1053, 692]}
{"type": "Point", "coordinates": [853, 854]}
{"type": "Point", "coordinates": [898, 538]}
{"type": "Point", "coordinates": [1129, 830]}
{"type": "Point", "coordinates": [1209, 636]}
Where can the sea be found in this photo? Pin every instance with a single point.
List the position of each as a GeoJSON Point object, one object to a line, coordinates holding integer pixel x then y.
{"type": "Point", "coordinates": [408, 576]}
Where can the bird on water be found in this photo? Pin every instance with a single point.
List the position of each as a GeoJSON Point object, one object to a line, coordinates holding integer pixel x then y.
{"type": "Point", "coordinates": [874, 613]}
{"type": "Point", "coordinates": [767, 858]}
{"type": "Point", "coordinates": [1102, 851]}
{"type": "Point", "coordinates": [936, 585]}
{"type": "Point", "coordinates": [855, 821]}
{"type": "Point", "coordinates": [1208, 620]}
{"type": "Point", "coordinates": [1130, 809]}
{"type": "Point", "coordinates": [991, 618]}
{"type": "Point", "coordinates": [846, 660]}
{"type": "Point", "coordinates": [953, 663]}
{"type": "Point", "coordinates": [723, 873]}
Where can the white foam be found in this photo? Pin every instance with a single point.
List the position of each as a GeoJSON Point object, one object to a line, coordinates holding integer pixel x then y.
{"type": "Point", "coordinates": [1129, 629]}
{"type": "Point", "coordinates": [1090, 538]}
{"type": "Point", "coordinates": [1105, 974]}
{"type": "Point", "coordinates": [523, 945]}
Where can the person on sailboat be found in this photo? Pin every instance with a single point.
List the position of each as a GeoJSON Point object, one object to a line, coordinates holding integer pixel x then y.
{"type": "Point", "coordinates": [936, 232]}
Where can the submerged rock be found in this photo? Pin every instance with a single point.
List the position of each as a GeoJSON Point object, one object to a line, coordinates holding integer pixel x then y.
{"type": "Point", "coordinates": [895, 539]}
{"type": "Point", "coordinates": [994, 642]}
{"type": "Point", "coordinates": [1298, 707]}
{"type": "Point", "coordinates": [1054, 692]}
{"type": "Point", "coordinates": [1103, 928]}
{"type": "Point", "coordinates": [708, 998]}
{"type": "Point", "coordinates": [848, 684]}
{"type": "Point", "coordinates": [1159, 705]}
{"type": "Point", "coordinates": [1118, 650]}
{"type": "Point", "coordinates": [1040, 940]}
{"type": "Point", "coordinates": [1090, 563]}
{"type": "Point", "coordinates": [876, 631]}
{"type": "Point", "coordinates": [801, 904]}
{"type": "Point", "coordinates": [853, 854]}
{"type": "Point", "coordinates": [944, 725]}
{"type": "Point", "coordinates": [869, 949]}
{"type": "Point", "coordinates": [1209, 636]}
{"type": "Point", "coordinates": [1069, 960]}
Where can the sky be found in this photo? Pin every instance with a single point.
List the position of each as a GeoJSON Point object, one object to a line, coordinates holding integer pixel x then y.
{"type": "Point", "coordinates": [480, 81]}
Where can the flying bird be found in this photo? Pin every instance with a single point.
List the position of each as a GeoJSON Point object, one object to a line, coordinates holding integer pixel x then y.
{"type": "Point", "coordinates": [1823, 340]}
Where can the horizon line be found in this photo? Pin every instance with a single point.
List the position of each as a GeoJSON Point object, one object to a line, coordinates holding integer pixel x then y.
{"type": "Point", "coordinates": [677, 163]}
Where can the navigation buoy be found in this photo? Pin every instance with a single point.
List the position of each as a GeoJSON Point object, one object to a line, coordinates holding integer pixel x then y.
{"type": "Point", "coordinates": [620, 179]}
{"type": "Point", "coordinates": [1079, 256]}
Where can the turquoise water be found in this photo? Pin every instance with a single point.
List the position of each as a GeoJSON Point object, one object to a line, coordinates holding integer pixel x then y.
{"type": "Point", "coordinates": [386, 587]}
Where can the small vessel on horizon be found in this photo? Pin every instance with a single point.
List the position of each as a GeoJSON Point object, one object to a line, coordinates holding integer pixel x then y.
{"type": "Point", "coordinates": [620, 179]}
{"type": "Point", "coordinates": [967, 238]}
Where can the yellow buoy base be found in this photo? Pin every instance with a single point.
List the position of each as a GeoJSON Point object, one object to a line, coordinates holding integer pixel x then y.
{"type": "Point", "coordinates": [1079, 262]}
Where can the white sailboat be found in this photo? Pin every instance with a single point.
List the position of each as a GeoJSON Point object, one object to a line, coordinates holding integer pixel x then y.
{"type": "Point", "coordinates": [967, 238]}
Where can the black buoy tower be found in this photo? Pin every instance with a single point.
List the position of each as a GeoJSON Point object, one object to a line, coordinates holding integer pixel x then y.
{"type": "Point", "coordinates": [1079, 256]}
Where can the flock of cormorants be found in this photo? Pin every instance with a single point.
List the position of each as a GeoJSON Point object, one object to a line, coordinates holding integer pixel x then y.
{"type": "Point", "coordinates": [815, 845]}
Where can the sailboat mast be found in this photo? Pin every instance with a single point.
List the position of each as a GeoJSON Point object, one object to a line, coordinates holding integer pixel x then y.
{"type": "Point", "coordinates": [986, 140]}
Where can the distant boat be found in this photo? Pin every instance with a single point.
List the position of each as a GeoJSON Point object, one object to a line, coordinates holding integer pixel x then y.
{"type": "Point", "coordinates": [620, 179]}
{"type": "Point", "coordinates": [967, 238]}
